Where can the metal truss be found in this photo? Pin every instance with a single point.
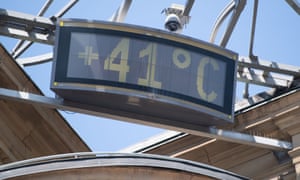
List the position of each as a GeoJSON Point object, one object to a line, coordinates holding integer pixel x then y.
{"type": "Point", "coordinates": [26, 27]}
{"type": "Point", "coordinates": [30, 28]}
{"type": "Point", "coordinates": [266, 73]}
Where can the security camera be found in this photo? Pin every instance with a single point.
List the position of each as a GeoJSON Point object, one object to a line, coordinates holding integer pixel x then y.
{"type": "Point", "coordinates": [173, 23]}
{"type": "Point", "coordinates": [175, 18]}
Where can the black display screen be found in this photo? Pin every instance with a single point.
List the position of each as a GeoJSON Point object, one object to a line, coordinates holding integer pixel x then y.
{"type": "Point", "coordinates": [147, 63]}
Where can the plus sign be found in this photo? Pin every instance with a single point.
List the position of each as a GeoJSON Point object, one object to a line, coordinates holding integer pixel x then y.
{"type": "Point", "coordinates": [88, 55]}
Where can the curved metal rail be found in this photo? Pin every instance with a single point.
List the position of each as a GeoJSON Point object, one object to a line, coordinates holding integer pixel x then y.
{"type": "Point", "coordinates": [85, 160]}
{"type": "Point", "coordinates": [236, 7]}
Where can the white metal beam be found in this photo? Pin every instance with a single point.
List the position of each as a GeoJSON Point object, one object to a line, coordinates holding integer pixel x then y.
{"type": "Point", "coordinates": [120, 14]}
{"type": "Point", "coordinates": [65, 9]}
{"type": "Point", "coordinates": [40, 13]}
{"type": "Point", "coordinates": [26, 27]}
{"type": "Point", "coordinates": [270, 66]}
{"type": "Point", "coordinates": [266, 73]}
{"type": "Point", "coordinates": [35, 59]}
{"type": "Point", "coordinates": [259, 78]}
{"type": "Point", "coordinates": [235, 7]}
{"type": "Point", "coordinates": [20, 48]}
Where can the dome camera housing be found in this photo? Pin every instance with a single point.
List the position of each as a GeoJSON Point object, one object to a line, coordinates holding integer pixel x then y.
{"type": "Point", "coordinates": [173, 23]}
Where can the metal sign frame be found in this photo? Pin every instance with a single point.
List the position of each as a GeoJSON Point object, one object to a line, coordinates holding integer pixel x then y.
{"type": "Point", "coordinates": [147, 102]}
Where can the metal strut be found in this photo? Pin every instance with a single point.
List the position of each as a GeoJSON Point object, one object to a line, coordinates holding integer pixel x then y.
{"type": "Point", "coordinates": [20, 47]}
{"type": "Point", "coordinates": [120, 14]}
{"type": "Point", "coordinates": [21, 42]}
{"type": "Point", "coordinates": [236, 7]}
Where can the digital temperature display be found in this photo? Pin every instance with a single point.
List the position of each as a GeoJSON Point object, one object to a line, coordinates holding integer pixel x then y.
{"type": "Point", "coordinates": [118, 58]}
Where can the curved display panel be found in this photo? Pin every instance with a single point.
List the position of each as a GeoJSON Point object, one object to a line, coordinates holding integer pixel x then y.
{"type": "Point", "coordinates": [143, 72]}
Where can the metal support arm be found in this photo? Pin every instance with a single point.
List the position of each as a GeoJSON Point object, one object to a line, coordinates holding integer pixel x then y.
{"type": "Point", "coordinates": [236, 7]}
{"type": "Point", "coordinates": [266, 73]}
{"type": "Point", "coordinates": [121, 13]}
{"type": "Point", "coordinates": [26, 27]}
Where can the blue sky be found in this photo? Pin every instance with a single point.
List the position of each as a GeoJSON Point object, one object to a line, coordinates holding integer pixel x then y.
{"type": "Point", "coordinates": [277, 39]}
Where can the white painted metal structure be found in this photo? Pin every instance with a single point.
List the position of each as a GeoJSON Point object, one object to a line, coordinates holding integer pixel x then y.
{"type": "Point", "coordinates": [160, 167]}
{"type": "Point", "coordinates": [29, 29]}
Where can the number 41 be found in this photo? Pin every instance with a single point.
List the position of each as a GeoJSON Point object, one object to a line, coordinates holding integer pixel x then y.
{"type": "Point", "coordinates": [123, 68]}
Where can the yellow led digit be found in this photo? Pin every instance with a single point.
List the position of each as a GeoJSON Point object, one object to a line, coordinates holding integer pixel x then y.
{"type": "Point", "coordinates": [203, 63]}
{"type": "Point", "coordinates": [122, 68]}
{"type": "Point", "coordinates": [150, 51]}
